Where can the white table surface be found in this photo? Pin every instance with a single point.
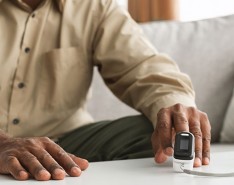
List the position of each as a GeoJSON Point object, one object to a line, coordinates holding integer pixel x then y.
{"type": "Point", "coordinates": [144, 172]}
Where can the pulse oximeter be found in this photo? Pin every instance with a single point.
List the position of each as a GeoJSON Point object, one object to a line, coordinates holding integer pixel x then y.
{"type": "Point", "coordinates": [183, 157]}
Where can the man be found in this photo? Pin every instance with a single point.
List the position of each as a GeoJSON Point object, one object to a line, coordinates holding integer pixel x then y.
{"type": "Point", "coordinates": [48, 50]}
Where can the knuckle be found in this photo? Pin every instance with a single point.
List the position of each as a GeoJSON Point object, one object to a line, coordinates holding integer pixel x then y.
{"type": "Point", "coordinates": [45, 139]}
{"type": "Point", "coordinates": [46, 142]}
{"type": "Point", "coordinates": [193, 110]}
{"type": "Point", "coordinates": [194, 123]}
{"type": "Point", "coordinates": [37, 169]}
{"type": "Point", "coordinates": [162, 112]}
{"type": "Point", "coordinates": [206, 139]}
{"type": "Point", "coordinates": [44, 156]}
{"type": "Point", "coordinates": [206, 153]}
{"type": "Point", "coordinates": [62, 154]}
{"type": "Point", "coordinates": [197, 132]}
{"type": "Point", "coordinates": [198, 153]}
{"type": "Point", "coordinates": [70, 165]}
{"type": "Point", "coordinates": [10, 160]}
{"type": "Point", "coordinates": [27, 158]}
{"type": "Point", "coordinates": [178, 107]}
{"type": "Point", "coordinates": [54, 166]}
{"type": "Point", "coordinates": [181, 117]}
{"type": "Point", "coordinates": [163, 125]}
{"type": "Point", "coordinates": [204, 115]}
{"type": "Point", "coordinates": [29, 142]}
{"type": "Point", "coordinates": [208, 126]}
{"type": "Point", "coordinates": [197, 135]}
{"type": "Point", "coordinates": [11, 152]}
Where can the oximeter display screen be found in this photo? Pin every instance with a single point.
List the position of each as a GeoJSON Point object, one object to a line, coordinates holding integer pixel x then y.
{"type": "Point", "coordinates": [183, 148]}
{"type": "Point", "coordinates": [184, 143]}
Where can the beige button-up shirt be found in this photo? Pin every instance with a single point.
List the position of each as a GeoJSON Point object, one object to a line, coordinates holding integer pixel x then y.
{"type": "Point", "coordinates": [47, 59]}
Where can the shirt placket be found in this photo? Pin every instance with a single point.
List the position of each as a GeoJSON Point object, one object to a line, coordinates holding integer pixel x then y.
{"type": "Point", "coordinates": [16, 118]}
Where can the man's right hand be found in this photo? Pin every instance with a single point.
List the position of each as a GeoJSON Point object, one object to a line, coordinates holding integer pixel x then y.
{"type": "Point", "coordinates": [39, 157]}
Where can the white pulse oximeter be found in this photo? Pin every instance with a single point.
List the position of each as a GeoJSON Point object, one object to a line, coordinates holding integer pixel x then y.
{"type": "Point", "coordinates": [183, 157]}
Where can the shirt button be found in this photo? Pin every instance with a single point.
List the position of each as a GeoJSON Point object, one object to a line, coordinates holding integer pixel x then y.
{"type": "Point", "coordinates": [16, 121]}
{"type": "Point", "coordinates": [27, 50]}
{"type": "Point", "coordinates": [33, 15]}
{"type": "Point", "coordinates": [21, 85]}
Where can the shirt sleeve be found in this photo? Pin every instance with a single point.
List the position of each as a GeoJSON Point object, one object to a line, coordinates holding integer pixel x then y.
{"type": "Point", "coordinates": [133, 69]}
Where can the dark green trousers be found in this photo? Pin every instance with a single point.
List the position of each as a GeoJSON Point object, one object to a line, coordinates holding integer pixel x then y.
{"type": "Point", "coordinates": [125, 138]}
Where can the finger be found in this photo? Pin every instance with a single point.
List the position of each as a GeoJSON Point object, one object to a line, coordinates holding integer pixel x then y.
{"type": "Point", "coordinates": [64, 159]}
{"type": "Point", "coordinates": [160, 156]}
{"type": "Point", "coordinates": [206, 138]}
{"type": "Point", "coordinates": [50, 164]}
{"type": "Point", "coordinates": [155, 144]}
{"type": "Point", "coordinates": [194, 126]}
{"type": "Point", "coordinates": [30, 162]}
{"type": "Point", "coordinates": [180, 120]}
{"type": "Point", "coordinates": [82, 163]}
{"type": "Point", "coordinates": [155, 140]}
{"type": "Point", "coordinates": [164, 127]}
{"type": "Point", "coordinates": [16, 169]}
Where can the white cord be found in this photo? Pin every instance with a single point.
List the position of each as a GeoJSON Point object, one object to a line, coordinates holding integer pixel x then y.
{"type": "Point", "coordinates": [191, 172]}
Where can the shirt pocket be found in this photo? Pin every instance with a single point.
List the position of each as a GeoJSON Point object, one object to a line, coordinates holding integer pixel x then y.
{"type": "Point", "coordinates": [65, 78]}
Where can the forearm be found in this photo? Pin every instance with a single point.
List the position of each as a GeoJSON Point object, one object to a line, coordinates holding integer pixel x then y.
{"type": "Point", "coordinates": [134, 70]}
{"type": "Point", "coordinates": [154, 84]}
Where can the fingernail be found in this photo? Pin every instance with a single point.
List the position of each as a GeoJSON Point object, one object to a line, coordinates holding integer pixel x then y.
{"type": "Point", "coordinates": [76, 170]}
{"type": "Point", "coordinates": [23, 174]}
{"type": "Point", "coordinates": [160, 157]}
{"type": "Point", "coordinates": [197, 162]}
{"type": "Point", "coordinates": [43, 174]}
{"type": "Point", "coordinates": [86, 161]}
{"type": "Point", "coordinates": [58, 172]}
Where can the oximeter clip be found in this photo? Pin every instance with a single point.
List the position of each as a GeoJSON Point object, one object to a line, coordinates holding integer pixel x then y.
{"type": "Point", "coordinates": [183, 157]}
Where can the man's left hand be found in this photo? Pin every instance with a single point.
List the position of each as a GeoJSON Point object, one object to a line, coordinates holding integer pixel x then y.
{"type": "Point", "coordinates": [180, 118]}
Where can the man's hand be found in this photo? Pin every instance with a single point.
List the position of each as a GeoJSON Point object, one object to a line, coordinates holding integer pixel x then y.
{"type": "Point", "coordinates": [39, 157]}
{"type": "Point", "coordinates": [179, 118]}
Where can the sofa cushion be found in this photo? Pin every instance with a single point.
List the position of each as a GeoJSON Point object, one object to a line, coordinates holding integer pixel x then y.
{"type": "Point", "coordinates": [205, 51]}
{"type": "Point", "coordinates": [227, 134]}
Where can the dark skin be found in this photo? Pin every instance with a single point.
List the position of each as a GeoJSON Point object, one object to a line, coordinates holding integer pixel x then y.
{"type": "Point", "coordinates": [39, 157]}
{"type": "Point", "coordinates": [33, 4]}
{"type": "Point", "coordinates": [44, 160]}
{"type": "Point", "coordinates": [180, 118]}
